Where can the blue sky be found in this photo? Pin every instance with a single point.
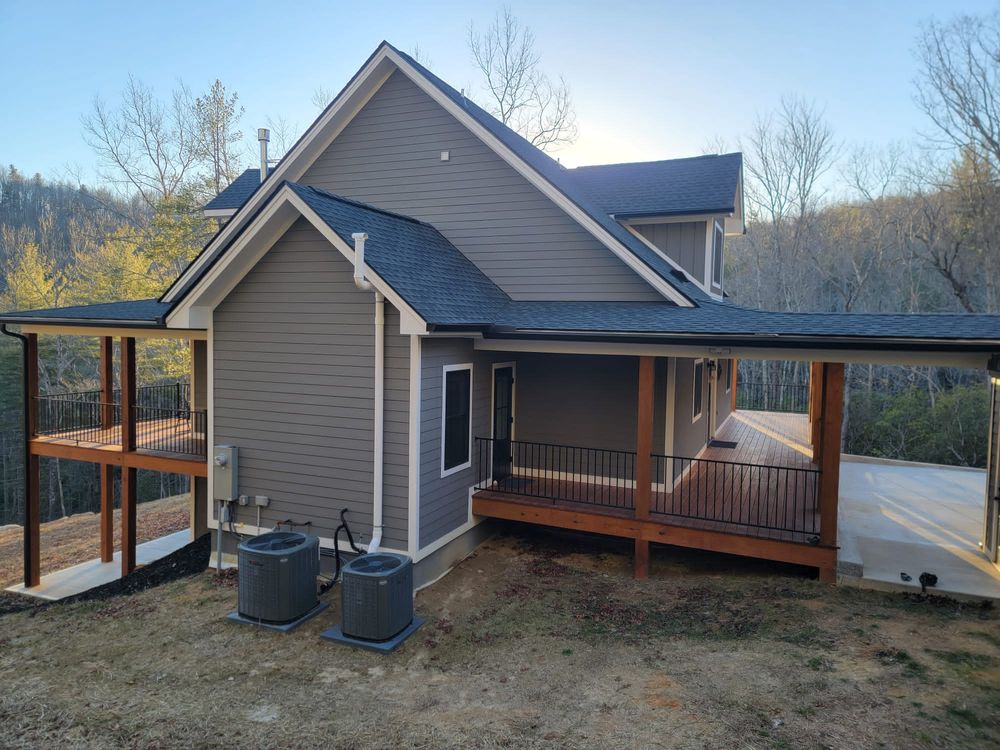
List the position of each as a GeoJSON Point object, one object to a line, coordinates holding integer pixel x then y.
{"type": "Point", "coordinates": [650, 79]}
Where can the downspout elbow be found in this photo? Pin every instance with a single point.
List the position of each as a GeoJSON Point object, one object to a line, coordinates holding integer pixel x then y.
{"type": "Point", "coordinates": [359, 262]}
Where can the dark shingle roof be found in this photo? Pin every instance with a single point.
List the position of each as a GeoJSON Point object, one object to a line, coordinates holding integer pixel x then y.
{"type": "Point", "coordinates": [699, 185]}
{"type": "Point", "coordinates": [414, 258]}
{"type": "Point", "coordinates": [237, 193]}
{"type": "Point", "coordinates": [719, 319]}
{"type": "Point", "coordinates": [146, 312]}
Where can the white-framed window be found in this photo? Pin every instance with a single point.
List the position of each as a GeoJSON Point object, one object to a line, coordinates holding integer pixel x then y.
{"type": "Point", "coordinates": [729, 375]}
{"type": "Point", "coordinates": [456, 418]}
{"type": "Point", "coordinates": [718, 242]}
{"type": "Point", "coordinates": [698, 390]}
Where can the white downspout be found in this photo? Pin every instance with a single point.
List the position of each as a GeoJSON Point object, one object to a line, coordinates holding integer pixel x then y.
{"type": "Point", "coordinates": [362, 283]}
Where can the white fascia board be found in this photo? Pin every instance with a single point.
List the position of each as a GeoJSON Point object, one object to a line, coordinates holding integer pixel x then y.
{"type": "Point", "coordinates": [322, 132]}
{"type": "Point", "coordinates": [219, 213]}
{"type": "Point", "coordinates": [259, 237]}
{"type": "Point", "coordinates": [543, 185]}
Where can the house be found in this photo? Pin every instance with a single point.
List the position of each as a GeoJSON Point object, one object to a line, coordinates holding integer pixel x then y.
{"type": "Point", "coordinates": [422, 319]}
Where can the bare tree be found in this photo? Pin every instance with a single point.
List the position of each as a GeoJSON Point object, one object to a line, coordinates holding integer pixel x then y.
{"type": "Point", "coordinates": [145, 145]}
{"type": "Point", "coordinates": [322, 97]}
{"type": "Point", "coordinates": [217, 118]}
{"type": "Point", "coordinates": [959, 83]}
{"type": "Point", "coordinates": [519, 94]}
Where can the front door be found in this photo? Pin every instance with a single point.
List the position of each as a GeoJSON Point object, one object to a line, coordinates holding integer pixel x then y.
{"type": "Point", "coordinates": [503, 421]}
{"type": "Point", "coordinates": [991, 534]}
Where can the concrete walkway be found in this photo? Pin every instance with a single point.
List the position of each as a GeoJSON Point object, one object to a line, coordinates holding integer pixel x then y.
{"type": "Point", "coordinates": [85, 576]}
{"type": "Point", "coordinates": [897, 517]}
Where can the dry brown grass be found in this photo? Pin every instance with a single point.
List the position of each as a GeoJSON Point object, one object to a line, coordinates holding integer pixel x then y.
{"type": "Point", "coordinates": [532, 642]}
{"type": "Point", "coordinates": [76, 539]}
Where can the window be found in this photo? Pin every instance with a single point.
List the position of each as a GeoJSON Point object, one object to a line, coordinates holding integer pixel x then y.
{"type": "Point", "coordinates": [717, 242]}
{"type": "Point", "coordinates": [729, 375]}
{"type": "Point", "coordinates": [456, 419]}
{"type": "Point", "coordinates": [699, 389]}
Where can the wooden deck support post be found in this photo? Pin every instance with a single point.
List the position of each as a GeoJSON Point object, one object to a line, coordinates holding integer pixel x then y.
{"type": "Point", "coordinates": [128, 488]}
{"type": "Point", "coordinates": [107, 512]}
{"type": "Point", "coordinates": [32, 505]}
{"type": "Point", "coordinates": [198, 505]}
{"type": "Point", "coordinates": [831, 423]}
{"type": "Point", "coordinates": [643, 460]}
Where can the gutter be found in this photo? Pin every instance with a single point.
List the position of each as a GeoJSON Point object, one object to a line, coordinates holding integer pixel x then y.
{"type": "Point", "coordinates": [379, 448]}
{"type": "Point", "coordinates": [26, 427]}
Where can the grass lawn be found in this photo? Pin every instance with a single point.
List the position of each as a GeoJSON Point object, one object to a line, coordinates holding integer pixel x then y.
{"type": "Point", "coordinates": [534, 641]}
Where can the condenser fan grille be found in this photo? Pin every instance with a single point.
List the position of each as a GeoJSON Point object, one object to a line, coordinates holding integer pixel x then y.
{"type": "Point", "coordinates": [375, 564]}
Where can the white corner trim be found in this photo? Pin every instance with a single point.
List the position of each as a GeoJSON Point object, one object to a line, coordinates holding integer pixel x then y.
{"type": "Point", "coordinates": [413, 465]}
{"type": "Point", "coordinates": [445, 369]}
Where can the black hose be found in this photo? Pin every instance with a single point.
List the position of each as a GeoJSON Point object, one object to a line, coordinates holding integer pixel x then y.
{"type": "Point", "coordinates": [336, 551]}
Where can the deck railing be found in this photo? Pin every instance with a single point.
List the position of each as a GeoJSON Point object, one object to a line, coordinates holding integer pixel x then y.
{"type": "Point", "coordinates": [738, 497]}
{"type": "Point", "coordinates": [172, 430]}
{"type": "Point", "coordinates": [168, 422]}
{"type": "Point", "coordinates": [556, 472]}
{"type": "Point", "coordinates": [772, 397]}
{"type": "Point", "coordinates": [755, 496]}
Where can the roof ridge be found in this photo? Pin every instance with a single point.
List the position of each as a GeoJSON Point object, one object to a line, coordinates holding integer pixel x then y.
{"type": "Point", "coordinates": [656, 161]}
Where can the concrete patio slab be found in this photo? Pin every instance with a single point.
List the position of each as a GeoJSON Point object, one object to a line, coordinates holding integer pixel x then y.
{"type": "Point", "coordinates": [913, 518]}
{"type": "Point", "coordinates": [93, 573]}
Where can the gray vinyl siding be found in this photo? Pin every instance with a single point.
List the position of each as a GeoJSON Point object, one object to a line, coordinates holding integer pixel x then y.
{"type": "Point", "coordinates": [294, 356]}
{"type": "Point", "coordinates": [444, 501]}
{"type": "Point", "coordinates": [683, 242]}
{"type": "Point", "coordinates": [582, 400]}
{"type": "Point", "coordinates": [689, 437]}
{"type": "Point", "coordinates": [724, 407]}
{"type": "Point", "coordinates": [390, 156]}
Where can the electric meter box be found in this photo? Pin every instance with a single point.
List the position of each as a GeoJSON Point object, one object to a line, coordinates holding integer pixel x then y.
{"type": "Point", "coordinates": [225, 472]}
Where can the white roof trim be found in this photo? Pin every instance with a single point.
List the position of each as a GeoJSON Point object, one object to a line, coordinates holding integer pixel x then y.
{"type": "Point", "coordinates": [340, 113]}
{"type": "Point", "coordinates": [258, 238]}
{"type": "Point", "coordinates": [220, 213]}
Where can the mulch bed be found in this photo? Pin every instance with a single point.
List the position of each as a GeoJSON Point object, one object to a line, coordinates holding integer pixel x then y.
{"type": "Point", "coordinates": [187, 561]}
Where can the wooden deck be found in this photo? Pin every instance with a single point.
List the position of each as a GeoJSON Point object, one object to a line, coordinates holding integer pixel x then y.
{"type": "Point", "coordinates": [764, 490]}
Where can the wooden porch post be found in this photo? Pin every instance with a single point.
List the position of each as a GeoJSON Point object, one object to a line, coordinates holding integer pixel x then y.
{"type": "Point", "coordinates": [32, 506]}
{"type": "Point", "coordinates": [643, 460]}
{"type": "Point", "coordinates": [816, 408]}
{"type": "Point", "coordinates": [106, 377]}
{"type": "Point", "coordinates": [107, 512]}
{"type": "Point", "coordinates": [128, 489]}
{"type": "Point", "coordinates": [829, 484]}
{"type": "Point", "coordinates": [198, 504]}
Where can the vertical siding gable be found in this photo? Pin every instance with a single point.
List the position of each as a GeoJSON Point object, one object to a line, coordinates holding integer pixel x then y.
{"type": "Point", "coordinates": [390, 156]}
{"type": "Point", "coordinates": [293, 356]}
{"type": "Point", "coordinates": [683, 242]}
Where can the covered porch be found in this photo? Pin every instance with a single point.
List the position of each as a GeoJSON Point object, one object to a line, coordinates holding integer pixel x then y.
{"type": "Point", "coordinates": [760, 486]}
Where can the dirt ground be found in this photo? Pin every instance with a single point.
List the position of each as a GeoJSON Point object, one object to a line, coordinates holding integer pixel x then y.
{"type": "Point", "coordinates": [534, 641]}
{"type": "Point", "coordinates": [76, 539]}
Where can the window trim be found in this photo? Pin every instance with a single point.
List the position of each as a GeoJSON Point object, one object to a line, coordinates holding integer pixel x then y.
{"type": "Point", "coordinates": [729, 375]}
{"type": "Point", "coordinates": [444, 389]}
{"type": "Point", "coordinates": [695, 416]}
{"type": "Point", "coordinates": [718, 232]}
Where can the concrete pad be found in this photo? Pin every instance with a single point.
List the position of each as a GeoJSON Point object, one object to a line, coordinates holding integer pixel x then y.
{"type": "Point", "coordinates": [85, 576]}
{"type": "Point", "coordinates": [914, 518]}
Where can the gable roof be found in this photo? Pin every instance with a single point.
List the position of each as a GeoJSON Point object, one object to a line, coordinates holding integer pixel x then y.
{"type": "Point", "coordinates": [697, 185]}
{"type": "Point", "coordinates": [237, 193]}
{"type": "Point", "coordinates": [431, 275]}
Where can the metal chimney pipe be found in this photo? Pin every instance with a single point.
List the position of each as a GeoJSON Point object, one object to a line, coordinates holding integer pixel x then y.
{"type": "Point", "coordinates": [263, 135]}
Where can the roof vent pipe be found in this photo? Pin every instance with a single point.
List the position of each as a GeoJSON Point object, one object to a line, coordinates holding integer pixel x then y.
{"type": "Point", "coordinates": [263, 135]}
{"type": "Point", "coordinates": [359, 261]}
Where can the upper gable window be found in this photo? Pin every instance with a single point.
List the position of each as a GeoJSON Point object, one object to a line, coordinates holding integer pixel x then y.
{"type": "Point", "coordinates": [718, 240]}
